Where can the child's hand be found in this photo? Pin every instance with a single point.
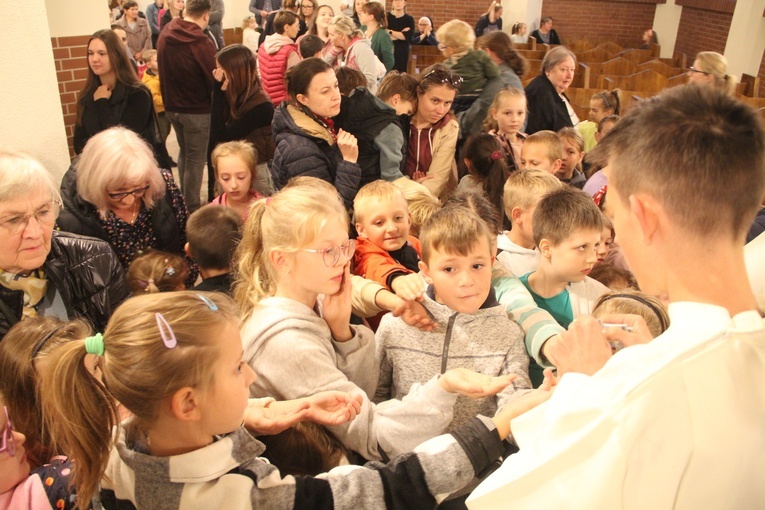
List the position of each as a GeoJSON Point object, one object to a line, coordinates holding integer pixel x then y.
{"type": "Point", "coordinates": [336, 308]}
{"type": "Point", "coordinates": [583, 348]}
{"type": "Point", "coordinates": [520, 405]}
{"type": "Point", "coordinates": [333, 407]}
{"type": "Point", "coordinates": [348, 145]}
{"type": "Point", "coordinates": [414, 314]}
{"type": "Point", "coordinates": [409, 287]}
{"type": "Point", "coordinates": [472, 384]}
{"type": "Point", "coordinates": [277, 417]}
{"type": "Point", "coordinates": [420, 177]}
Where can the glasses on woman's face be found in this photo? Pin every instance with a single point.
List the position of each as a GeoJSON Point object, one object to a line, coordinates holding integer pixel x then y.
{"type": "Point", "coordinates": [440, 76]}
{"type": "Point", "coordinates": [307, 7]}
{"type": "Point", "coordinates": [45, 216]}
{"type": "Point", "coordinates": [694, 70]}
{"type": "Point", "coordinates": [8, 444]}
{"type": "Point", "coordinates": [331, 254]}
{"type": "Point", "coordinates": [122, 194]}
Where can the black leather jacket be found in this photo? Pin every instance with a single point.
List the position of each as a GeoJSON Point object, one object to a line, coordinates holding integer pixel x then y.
{"type": "Point", "coordinates": [87, 274]}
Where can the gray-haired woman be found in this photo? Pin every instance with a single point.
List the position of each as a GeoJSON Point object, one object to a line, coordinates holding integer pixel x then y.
{"type": "Point", "coordinates": [549, 107]}
{"type": "Point", "coordinates": [43, 272]}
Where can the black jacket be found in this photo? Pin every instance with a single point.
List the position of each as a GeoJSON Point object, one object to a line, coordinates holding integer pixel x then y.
{"type": "Point", "coordinates": [86, 273]}
{"type": "Point", "coordinates": [546, 108]}
{"type": "Point", "coordinates": [554, 39]}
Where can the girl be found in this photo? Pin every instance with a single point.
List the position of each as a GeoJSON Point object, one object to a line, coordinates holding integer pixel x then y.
{"type": "Point", "coordinates": [488, 172]}
{"type": "Point", "coordinates": [491, 21]}
{"type": "Point", "coordinates": [174, 10]}
{"type": "Point", "coordinates": [113, 95]}
{"type": "Point", "coordinates": [602, 105]}
{"type": "Point", "coordinates": [157, 271]}
{"type": "Point", "coordinates": [356, 50]}
{"type": "Point", "coordinates": [433, 133]}
{"type": "Point", "coordinates": [306, 140]}
{"type": "Point", "coordinates": [519, 33]}
{"type": "Point", "coordinates": [649, 37]}
{"type": "Point", "coordinates": [507, 114]}
{"type": "Point", "coordinates": [249, 34]}
{"type": "Point", "coordinates": [175, 362]}
{"type": "Point", "coordinates": [570, 170]}
{"type": "Point", "coordinates": [401, 29]}
{"type": "Point", "coordinates": [235, 171]}
{"type": "Point", "coordinates": [294, 289]}
{"type": "Point", "coordinates": [711, 69]}
{"type": "Point", "coordinates": [318, 25]}
{"type": "Point", "coordinates": [373, 17]}
{"type": "Point", "coordinates": [241, 111]}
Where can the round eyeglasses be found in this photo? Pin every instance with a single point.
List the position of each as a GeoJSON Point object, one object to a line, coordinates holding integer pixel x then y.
{"type": "Point", "coordinates": [331, 254]}
{"type": "Point", "coordinates": [45, 215]}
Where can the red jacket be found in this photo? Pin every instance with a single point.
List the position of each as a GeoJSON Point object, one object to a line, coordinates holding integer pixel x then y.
{"type": "Point", "coordinates": [374, 263]}
{"type": "Point", "coordinates": [273, 66]}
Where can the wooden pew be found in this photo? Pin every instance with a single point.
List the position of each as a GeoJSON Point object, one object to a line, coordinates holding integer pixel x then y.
{"type": "Point", "coordinates": [648, 82]}
{"type": "Point", "coordinates": [610, 47]}
{"type": "Point", "coordinates": [532, 54]}
{"type": "Point", "coordinates": [636, 56]}
{"type": "Point", "coordinates": [661, 68]}
{"type": "Point", "coordinates": [423, 57]}
{"type": "Point", "coordinates": [595, 55]}
{"type": "Point", "coordinates": [530, 45]}
{"type": "Point", "coordinates": [535, 67]}
{"type": "Point", "coordinates": [750, 85]}
{"type": "Point", "coordinates": [680, 79]}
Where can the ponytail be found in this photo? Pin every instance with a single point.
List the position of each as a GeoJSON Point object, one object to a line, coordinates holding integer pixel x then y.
{"type": "Point", "coordinates": [254, 276]}
{"type": "Point", "coordinates": [487, 165]}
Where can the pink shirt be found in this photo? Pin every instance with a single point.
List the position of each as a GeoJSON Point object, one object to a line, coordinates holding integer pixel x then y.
{"type": "Point", "coordinates": [222, 199]}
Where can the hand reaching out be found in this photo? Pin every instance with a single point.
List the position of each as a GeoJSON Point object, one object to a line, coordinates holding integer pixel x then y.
{"type": "Point", "coordinates": [473, 384]}
{"type": "Point", "coordinates": [410, 287]}
{"type": "Point", "coordinates": [276, 417]}
{"type": "Point", "coordinates": [414, 314]}
{"type": "Point", "coordinates": [520, 405]}
{"type": "Point", "coordinates": [333, 407]}
{"type": "Point", "coordinates": [583, 348]}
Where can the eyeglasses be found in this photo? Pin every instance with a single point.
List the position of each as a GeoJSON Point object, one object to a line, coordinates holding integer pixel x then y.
{"type": "Point", "coordinates": [122, 194]}
{"type": "Point", "coordinates": [331, 254]}
{"type": "Point", "coordinates": [446, 77]}
{"type": "Point", "coordinates": [694, 70]}
{"type": "Point", "coordinates": [310, 7]}
{"type": "Point", "coordinates": [8, 444]}
{"type": "Point", "coordinates": [46, 216]}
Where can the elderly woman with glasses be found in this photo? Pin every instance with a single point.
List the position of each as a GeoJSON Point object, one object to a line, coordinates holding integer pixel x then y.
{"type": "Point", "coordinates": [47, 273]}
{"type": "Point", "coordinates": [433, 133]}
{"type": "Point", "coordinates": [116, 192]}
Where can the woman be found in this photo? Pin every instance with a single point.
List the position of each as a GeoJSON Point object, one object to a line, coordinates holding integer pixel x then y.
{"type": "Point", "coordinates": [357, 13]}
{"type": "Point", "coordinates": [355, 49]}
{"type": "Point", "coordinates": [649, 38]}
{"type": "Point", "coordinates": [549, 107]}
{"type": "Point", "coordinates": [174, 10]}
{"type": "Point", "coordinates": [401, 29]}
{"type": "Point", "coordinates": [137, 30]}
{"type": "Point", "coordinates": [425, 34]}
{"type": "Point", "coordinates": [116, 192]}
{"type": "Point", "coordinates": [306, 141]}
{"type": "Point", "coordinates": [47, 273]}
{"type": "Point", "coordinates": [373, 18]}
{"type": "Point", "coordinates": [306, 11]}
{"type": "Point", "coordinates": [113, 94]}
{"type": "Point", "coordinates": [491, 21]}
{"type": "Point", "coordinates": [545, 34]}
{"type": "Point", "coordinates": [278, 53]}
{"type": "Point", "coordinates": [433, 134]}
{"type": "Point", "coordinates": [318, 25]}
{"type": "Point", "coordinates": [241, 110]}
{"type": "Point", "coordinates": [711, 69]}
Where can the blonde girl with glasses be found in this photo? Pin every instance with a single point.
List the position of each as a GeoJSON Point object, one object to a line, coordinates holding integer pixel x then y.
{"type": "Point", "coordinates": [294, 289]}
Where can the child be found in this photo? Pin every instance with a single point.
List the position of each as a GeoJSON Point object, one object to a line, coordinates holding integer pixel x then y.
{"type": "Point", "coordinates": [311, 45]}
{"type": "Point", "coordinates": [348, 80]}
{"type": "Point", "coordinates": [570, 171]}
{"type": "Point", "coordinates": [607, 235]}
{"type": "Point", "coordinates": [507, 114]}
{"type": "Point", "coordinates": [518, 253]}
{"type": "Point", "coordinates": [376, 123]}
{"type": "Point", "coordinates": [567, 226]}
{"type": "Point", "coordinates": [542, 151]}
{"type": "Point", "coordinates": [235, 165]}
{"type": "Point", "coordinates": [250, 34]}
{"type": "Point", "coordinates": [385, 252]}
{"type": "Point", "coordinates": [294, 249]}
{"type": "Point", "coordinates": [636, 303]}
{"type": "Point", "coordinates": [474, 333]}
{"type": "Point", "coordinates": [420, 202]}
{"type": "Point", "coordinates": [612, 276]}
{"type": "Point", "coordinates": [157, 271]}
{"type": "Point", "coordinates": [213, 234]}
{"type": "Point", "coordinates": [603, 104]}
{"type": "Point", "coordinates": [456, 40]}
{"type": "Point", "coordinates": [487, 171]}
{"type": "Point", "coordinates": [151, 80]}
{"type": "Point", "coordinates": [596, 179]}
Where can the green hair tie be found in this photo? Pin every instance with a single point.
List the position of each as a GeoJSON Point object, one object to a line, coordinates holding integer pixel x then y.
{"type": "Point", "coordinates": [95, 344]}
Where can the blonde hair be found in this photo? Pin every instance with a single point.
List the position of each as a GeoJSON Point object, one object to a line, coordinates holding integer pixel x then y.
{"type": "Point", "coordinates": [147, 55]}
{"type": "Point", "coordinates": [550, 141]}
{"type": "Point", "coordinates": [139, 371]}
{"type": "Point", "coordinates": [454, 230]}
{"type": "Point", "coordinates": [456, 34]}
{"type": "Point", "coordinates": [344, 25]}
{"type": "Point", "coordinates": [21, 175]}
{"type": "Point", "coordinates": [289, 220]}
{"type": "Point", "coordinates": [157, 271]}
{"type": "Point", "coordinates": [247, 20]}
{"type": "Point", "coordinates": [245, 150]}
{"type": "Point", "coordinates": [374, 191]}
{"type": "Point", "coordinates": [421, 203]}
{"type": "Point", "coordinates": [637, 303]}
{"type": "Point", "coordinates": [489, 123]}
{"type": "Point", "coordinates": [525, 188]}
{"type": "Point", "coordinates": [110, 159]}
{"type": "Point", "coordinates": [716, 65]}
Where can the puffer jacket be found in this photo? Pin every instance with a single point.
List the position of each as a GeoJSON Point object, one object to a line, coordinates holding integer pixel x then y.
{"type": "Point", "coordinates": [305, 147]}
{"type": "Point", "coordinates": [273, 58]}
{"type": "Point", "coordinates": [87, 274]}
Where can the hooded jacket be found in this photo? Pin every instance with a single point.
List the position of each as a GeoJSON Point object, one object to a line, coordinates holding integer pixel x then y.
{"type": "Point", "coordinates": [360, 56]}
{"type": "Point", "coordinates": [274, 58]}
{"type": "Point", "coordinates": [431, 150]}
{"type": "Point", "coordinates": [305, 147]}
{"type": "Point", "coordinates": [87, 274]}
{"type": "Point", "coordinates": [186, 58]}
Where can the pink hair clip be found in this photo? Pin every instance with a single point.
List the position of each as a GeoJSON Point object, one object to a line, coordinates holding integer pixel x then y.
{"type": "Point", "coordinates": [496, 155]}
{"type": "Point", "coordinates": [166, 332]}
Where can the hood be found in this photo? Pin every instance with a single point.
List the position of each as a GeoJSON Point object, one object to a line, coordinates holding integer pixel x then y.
{"type": "Point", "coordinates": [442, 313]}
{"type": "Point", "coordinates": [360, 40]}
{"type": "Point", "coordinates": [181, 32]}
{"type": "Point", "coordinates": [505, 244]}
{"type": "Point", "coordinates": [290, 119]}
{"type": "Point", "coordinates": [274, 42]}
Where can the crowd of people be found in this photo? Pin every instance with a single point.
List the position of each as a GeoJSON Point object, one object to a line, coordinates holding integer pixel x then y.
{"type": "Point", "coordinates": [451, 275]}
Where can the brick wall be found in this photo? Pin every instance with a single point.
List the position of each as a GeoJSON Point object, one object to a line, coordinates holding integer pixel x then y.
{"type": "Point", "coordinates": [441, 11]}
{"type": "Point", "coordinates": [69, 53]}
{"type": "Point", "coordinates": [622, 22]}
{"type": "Point", "coordinates": [702, 30]}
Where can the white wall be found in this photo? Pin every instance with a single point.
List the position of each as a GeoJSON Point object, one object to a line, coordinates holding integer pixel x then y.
{"type": "Point", "coordinates": [31, 119]}
{"type": "Point", "coordinates": [746, 39]}
{"type": "Point", "coordinates": [666, 22]}
{"type": "Point", "coordinates": [82, 17]}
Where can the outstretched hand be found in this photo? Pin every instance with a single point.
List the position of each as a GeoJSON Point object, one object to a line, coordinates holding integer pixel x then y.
{"type": "Point", "coordinates": [583, 348]}
{"type": "Point", "coordinates": [415, 315]}
{"type": "Point", "coordinates": [333, 407]}
{"type": "Point", "coordinates": [473, 384]}
{"type": "Point", "coordinates": [410, 286]}
{"type": "Point", "coordinates": [276, 417]}
{"type": "Point", "coordinates": [526, 402]}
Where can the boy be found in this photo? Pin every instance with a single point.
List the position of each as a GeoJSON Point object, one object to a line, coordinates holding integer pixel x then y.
{"type": "Point", "coordinates": [567, 226]}
{"type": "Point", "coordinates": [213, 234]}
{"type": "Point", "coordinates": [376, 124]}
{"type": "Point", "coordinates": [474, 330]}
{"type": "Point", "coordinates": [310, 46]}
{"type": "Point", "coordinates": [645, 428]}
{"type": "Point", "coordinates": [151, 79]}
{"type": "Point", "coordinates": [385, 252]}
{"type": "Point", "coordinates": [542, 151]}
{"type": "Point", "coordinates": [518, 252]}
